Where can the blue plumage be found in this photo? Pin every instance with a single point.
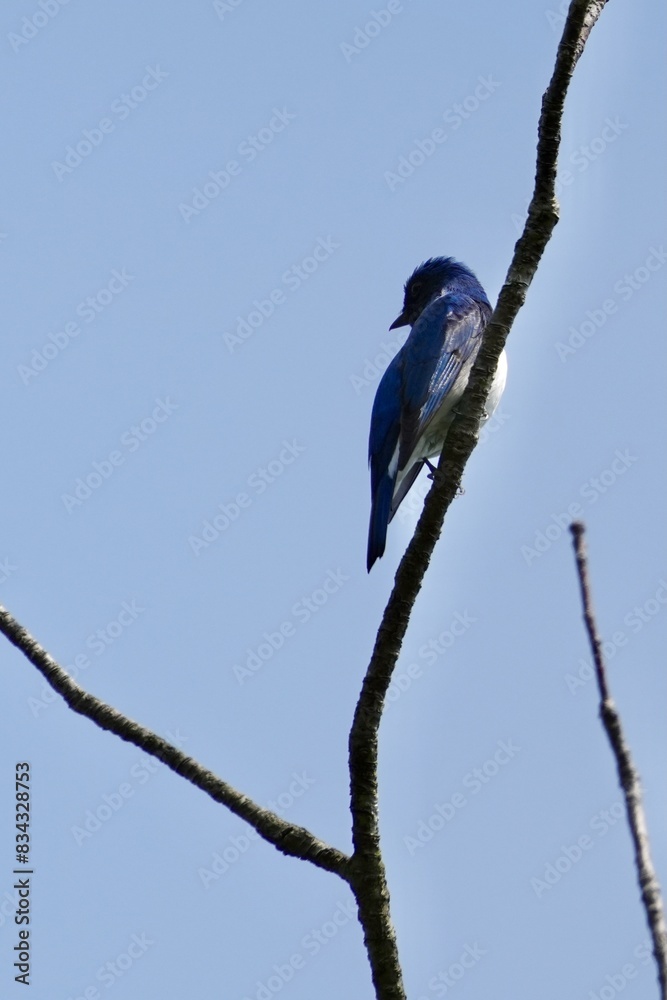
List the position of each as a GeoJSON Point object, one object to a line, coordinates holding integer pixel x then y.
{"type": "Point", "coordinates": [448, 310]}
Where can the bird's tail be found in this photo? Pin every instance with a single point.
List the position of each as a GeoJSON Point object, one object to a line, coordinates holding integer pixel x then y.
{"type": "Point", "coordinates": [380, 510]}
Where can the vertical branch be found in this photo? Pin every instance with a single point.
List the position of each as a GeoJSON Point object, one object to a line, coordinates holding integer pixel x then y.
{"type": "Point", "coordinates": [367, 873]}
{"type": "Point", "coordinates": [627, 773]}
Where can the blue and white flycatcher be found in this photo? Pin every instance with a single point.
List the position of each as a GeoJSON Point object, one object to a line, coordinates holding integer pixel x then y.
{"type": "Point", "coordinates": [414, 406]}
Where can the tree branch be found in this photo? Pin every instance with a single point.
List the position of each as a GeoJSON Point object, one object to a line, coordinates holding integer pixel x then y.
{"type": "Point", "coordinates": [627, 774]}
{"type": "Point", "coordinates": [368, 874]}
{"type": "Point", "coordinates": [295, 841]}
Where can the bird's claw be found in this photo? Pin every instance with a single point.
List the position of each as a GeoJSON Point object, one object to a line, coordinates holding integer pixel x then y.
{"type": "Point", "coordinates": [435, 474]}
{"type": "Point", "coordinates": [433, 471]}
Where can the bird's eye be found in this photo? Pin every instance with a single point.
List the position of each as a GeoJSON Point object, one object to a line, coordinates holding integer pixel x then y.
{"type": "Point", "coordinates": [416, 287]}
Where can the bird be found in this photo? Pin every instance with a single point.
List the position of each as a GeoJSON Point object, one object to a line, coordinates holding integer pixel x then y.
{"type": "Point", "coordinates": [447, 310]}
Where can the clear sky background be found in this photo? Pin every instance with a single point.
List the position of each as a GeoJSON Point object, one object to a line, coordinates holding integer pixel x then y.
{"type": "Point", "coordinates": [207, 350]}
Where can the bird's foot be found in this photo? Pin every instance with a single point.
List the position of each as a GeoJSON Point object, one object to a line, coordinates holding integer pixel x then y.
{"type": "Point", "coordinates": [436, 474]}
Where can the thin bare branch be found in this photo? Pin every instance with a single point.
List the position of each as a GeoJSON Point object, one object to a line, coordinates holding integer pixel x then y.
{"type": "Point", "coordinates": [368, 873]}
{"type": "Point", "coordinates": [627, 773]}
{"type": "Point", "coordinates": [292, 840]}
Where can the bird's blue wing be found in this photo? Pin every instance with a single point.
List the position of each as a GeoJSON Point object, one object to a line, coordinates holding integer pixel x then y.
{"type": "Point", "coordinates": [382, 454]}
{"type": "Point", "coordinates": [443, 341]}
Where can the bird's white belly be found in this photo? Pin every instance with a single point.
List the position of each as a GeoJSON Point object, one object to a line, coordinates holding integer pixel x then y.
{"type": "Point", "coordinates": [430, 444]}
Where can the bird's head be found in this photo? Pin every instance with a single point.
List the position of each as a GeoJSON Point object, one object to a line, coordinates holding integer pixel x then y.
{"type": "Point", "coordinates": [430, 280]}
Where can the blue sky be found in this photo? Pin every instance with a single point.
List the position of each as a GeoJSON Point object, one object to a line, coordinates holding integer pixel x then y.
{"type": "Point", "coordinates": [210, 211]}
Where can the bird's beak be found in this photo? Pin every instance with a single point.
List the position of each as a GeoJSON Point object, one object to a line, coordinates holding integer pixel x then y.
{"type": "Point", "coordinates": [400, 321]}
